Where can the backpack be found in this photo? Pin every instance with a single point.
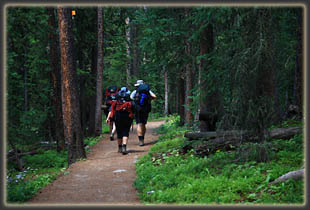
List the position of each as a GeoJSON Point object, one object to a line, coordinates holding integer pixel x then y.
{"type": "Point", "coordinates": [110, 95]}
{"type": "Point", "coordinates": [143, 98]}
{"type": "Point", "coordinates": [111, 92]}
{"type": "Point", "coordinates": [124, 103]}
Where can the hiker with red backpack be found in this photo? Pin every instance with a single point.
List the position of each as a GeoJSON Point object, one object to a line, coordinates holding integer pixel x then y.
{"type": "Point", "coordinates": [142, 97]}
{"type": "Point", "coordinates": [110, 96]}
{"type": "Point", "coordinates": [123, 113]}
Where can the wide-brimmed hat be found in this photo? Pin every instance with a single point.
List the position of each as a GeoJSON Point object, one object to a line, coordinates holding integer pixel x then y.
{"type": "Point", "coordinates": [139, 82]}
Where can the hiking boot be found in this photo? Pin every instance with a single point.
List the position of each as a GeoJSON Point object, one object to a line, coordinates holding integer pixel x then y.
{"type": "Point", "coordinates": [111, 138]}
{"type": "Point", "coordinates": [119, 148]}
{"type": "Point", "coordinates": [141, 142]}
{"type": "Point", "coordinates": [124, 151]}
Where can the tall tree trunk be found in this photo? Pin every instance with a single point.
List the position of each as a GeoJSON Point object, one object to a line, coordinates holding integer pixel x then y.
{"type": "Point", "coordinates": [70, 99]}
{"type": "Point", "coordinates": [83, 90]}
{"type": "Point", "coordinates": [92, 98]}
{"type": "Point", "coordinates": [135, 59]}
{"type": "Point", "coordinates": [271, 37]}
{"type": "Point", "coordinates": [298, 91]}
{"type": "Point", "coordinates": [25, 88]}
{"type": "Point", "coordinates": [181, 97]}
{"type": "Point", "coordinates": [206, 101]}
{"type": "Point", "coordinates": [56, 80]}
{"type": "Point", "coordinates": [189, 77]}
{"type": "Point", "coordinates": [268, 74]}
{"type": "Point", "coordinates": [98, 113]}
{"type": "Point", "coordinates": [166, 91]}
{"type": "Point", "coordinates": [128, 70]}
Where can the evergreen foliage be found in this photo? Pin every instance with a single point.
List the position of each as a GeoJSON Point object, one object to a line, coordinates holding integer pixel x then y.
{"type": "Point", "coordinates": [251, 71]}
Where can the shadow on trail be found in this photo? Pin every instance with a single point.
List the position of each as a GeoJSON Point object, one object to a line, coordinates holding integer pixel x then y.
{"type": "Point", "coordinates": [151, 142]}
{"type": "Point", "coordinates": [135, 151]}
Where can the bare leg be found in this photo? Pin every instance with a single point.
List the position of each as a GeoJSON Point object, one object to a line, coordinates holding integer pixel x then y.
{"type": "Point", "coordinates": [141, 129]}
{"type": "Point", "coordinates": [125, 140]}
{"type": "Point", "coordinates": [112, 130]}
{"type": "Point", "coordinates": [141, 132]}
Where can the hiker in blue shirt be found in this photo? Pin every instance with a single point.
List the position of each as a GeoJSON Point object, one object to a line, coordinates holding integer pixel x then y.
{"type": "Point", "coordinates": [142, 97]}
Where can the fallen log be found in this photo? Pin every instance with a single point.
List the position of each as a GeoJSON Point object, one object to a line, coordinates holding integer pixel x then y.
{"type": "Point", "coordinates": [290, 175]}
{"type": "Point", "coordinates": [278, 133]}
{"type": "Point", "coordinates": [285, 133]}
{"type": "Point", "coordinates": [13, 157]}
{"type": "Point", "coordinates": [210, 142]}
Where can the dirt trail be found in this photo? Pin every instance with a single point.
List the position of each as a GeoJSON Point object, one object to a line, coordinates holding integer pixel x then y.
{"type": "Point", "coordinates": [105, 178]}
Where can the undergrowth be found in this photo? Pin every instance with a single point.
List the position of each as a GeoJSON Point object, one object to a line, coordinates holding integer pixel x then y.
{"type": "Point", "coordinates": [40, 170]}
{"type": "Point", "coordinates": [167, 176]}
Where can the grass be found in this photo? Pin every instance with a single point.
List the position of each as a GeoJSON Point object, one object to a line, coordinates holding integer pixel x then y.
{"type": "Point", "coordinates": [167, 176]}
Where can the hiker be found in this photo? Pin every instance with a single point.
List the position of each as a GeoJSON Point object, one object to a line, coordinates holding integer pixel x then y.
{"type": "Point", "coordinates": [142, 97]}
{"type": "Point", "coordinates": [110, 95]}
{"type": "Point", "coordinates": [122, 112]}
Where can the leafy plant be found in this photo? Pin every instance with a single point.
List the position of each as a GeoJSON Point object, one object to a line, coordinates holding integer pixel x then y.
{"type": "Point", "coordinates": [166, 176]}
{"type": "Point", "coordinates": [48, 159]}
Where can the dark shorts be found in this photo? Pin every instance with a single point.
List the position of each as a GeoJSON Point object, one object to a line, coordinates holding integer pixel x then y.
{"type": "Point", "coordinates": [141, 117]}
{"type": "Point", "coordinates": [123, 123]}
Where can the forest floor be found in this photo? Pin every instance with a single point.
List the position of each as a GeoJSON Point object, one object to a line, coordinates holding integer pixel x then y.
{"type": "Point", "coordinates": [105, 178]}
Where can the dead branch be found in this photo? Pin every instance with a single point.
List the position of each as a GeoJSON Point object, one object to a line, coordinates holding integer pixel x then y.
{"type": "Point", "coordinates": [290, 175]}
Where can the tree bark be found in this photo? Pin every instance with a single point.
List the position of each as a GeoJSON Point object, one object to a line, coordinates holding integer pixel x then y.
{"type": "Point", "coordinates": [70, 99]}
{"type": "Point", "coordinates": [128, 70]}
{"type": "Point", "coordinates": [135, 59]}
{"type": "Point", "coordinates": [298, 90]}
{"type": "Point", "coordinates": [83, 90]}
{"type": "Point", "coordinates": [207, 101]}
{"type": "Point", "coordinates": [98, 113]}
{"type": "Point", "coordinates": [92, 98]}
{"type": "Point", "coordinates": [189, 77]}
{"type": "Point", "coordinates": [181, 103]}
{"type": "Point", "coordinates": [166, 92]}
{"type": "Point", "coordinates": [56, 80]}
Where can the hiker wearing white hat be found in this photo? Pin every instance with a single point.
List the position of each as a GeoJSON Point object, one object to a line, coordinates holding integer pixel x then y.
{"type": "Point", "coordinates": [142, 97]}
{"type": "Point", "coordinates": [139, 82]}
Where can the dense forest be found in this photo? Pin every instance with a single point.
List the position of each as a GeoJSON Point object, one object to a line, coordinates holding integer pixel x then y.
{"type": "Point", "coordinates": [217, 68]}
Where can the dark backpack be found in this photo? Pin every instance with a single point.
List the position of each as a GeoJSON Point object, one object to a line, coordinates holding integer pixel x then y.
{"type": "Point", "coordinates": [111, 92]}
{"type": "Point", "coordinates": [143, 98]}
{"type": "Point", "coordinates": [110, 95]}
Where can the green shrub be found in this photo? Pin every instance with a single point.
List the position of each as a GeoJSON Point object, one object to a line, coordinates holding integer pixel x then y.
{"type": "Point", "coordinates": [166, 176]}
{"type": "Point", "coordinates": [260, 152]}
{"type": "Point", "coordinates": [91, 141]}
{"type": "Point", "coordinates": [21, 186]}
{"type": "Point", "coordinates": [48, 159]}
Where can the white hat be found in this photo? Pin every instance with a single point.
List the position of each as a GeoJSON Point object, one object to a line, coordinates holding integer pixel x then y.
{"type": "Point", "coordinates": [139, 82]}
